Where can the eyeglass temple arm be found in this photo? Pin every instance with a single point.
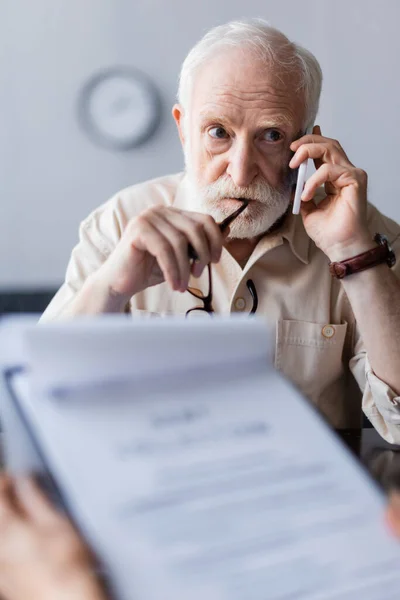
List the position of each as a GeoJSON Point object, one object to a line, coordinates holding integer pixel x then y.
{"type": "Point", "coordinates": [253, 292]}
{"type": "Point", "coordinates": [223, 226]}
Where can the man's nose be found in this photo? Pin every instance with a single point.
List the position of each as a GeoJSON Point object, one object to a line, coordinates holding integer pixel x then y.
{"type": "Point", "coordinates": [242, 165]}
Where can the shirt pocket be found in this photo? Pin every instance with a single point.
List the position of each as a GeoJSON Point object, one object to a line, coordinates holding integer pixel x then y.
{"type": "Point", "coordinates": [310, 354]}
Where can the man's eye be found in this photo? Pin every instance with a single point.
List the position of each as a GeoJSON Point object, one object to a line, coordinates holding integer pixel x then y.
{"type": "Point", "coordinates": [217, 133]}
{"type": "Point", "coordinates": [272, 135]}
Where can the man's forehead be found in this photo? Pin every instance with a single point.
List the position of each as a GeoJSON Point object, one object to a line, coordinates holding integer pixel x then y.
{"type": "Point", "coordinates": [240, 68]}
{"type": "Point", "coordinates": [225, 86]}
{"type": "Point", "coordinates": [234, 106]}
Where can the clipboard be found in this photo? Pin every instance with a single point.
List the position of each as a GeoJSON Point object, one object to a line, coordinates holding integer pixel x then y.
{"type": "Point", "coordinates": [216, 457]}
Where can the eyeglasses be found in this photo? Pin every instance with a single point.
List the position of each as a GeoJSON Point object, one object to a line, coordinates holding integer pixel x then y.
{"type": "Point", "coordinates": [207, 299]}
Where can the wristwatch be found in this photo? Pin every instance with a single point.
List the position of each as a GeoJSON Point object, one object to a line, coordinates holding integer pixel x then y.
{"type": "Point", "coordinates": [383, 253]}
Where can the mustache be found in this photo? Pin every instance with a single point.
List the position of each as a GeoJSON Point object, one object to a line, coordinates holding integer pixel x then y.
{"type": "Point", "coordinates": [259, 190]}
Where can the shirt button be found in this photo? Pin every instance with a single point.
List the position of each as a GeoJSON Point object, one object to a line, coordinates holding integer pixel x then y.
{"type": "Point", "coordinates": [240, 303]}
{"type": "Point", "coordinates": [328, 331]}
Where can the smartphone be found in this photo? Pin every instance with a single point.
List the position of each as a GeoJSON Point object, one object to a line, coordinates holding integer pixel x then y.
{"type": "Point", "coordinates": [301, 179]}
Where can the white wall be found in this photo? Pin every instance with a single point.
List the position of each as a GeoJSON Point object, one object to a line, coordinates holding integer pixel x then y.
{"type": "Point", "coordinates": [51, 176]}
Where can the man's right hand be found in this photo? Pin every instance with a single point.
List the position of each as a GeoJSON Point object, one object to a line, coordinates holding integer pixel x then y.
{"type": "Point", "coordinates": [154, 248]}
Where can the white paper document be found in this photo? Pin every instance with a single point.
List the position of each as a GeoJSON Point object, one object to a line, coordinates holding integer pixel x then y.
{"type": "Point", "coordinates": [195, 471]}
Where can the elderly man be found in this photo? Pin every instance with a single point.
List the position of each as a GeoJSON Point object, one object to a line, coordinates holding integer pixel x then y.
{"type": "Point", "coordinates": [247, 96]}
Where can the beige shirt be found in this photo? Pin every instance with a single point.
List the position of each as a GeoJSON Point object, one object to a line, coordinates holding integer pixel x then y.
{"type": "Point", "coordinates": [317, 343]}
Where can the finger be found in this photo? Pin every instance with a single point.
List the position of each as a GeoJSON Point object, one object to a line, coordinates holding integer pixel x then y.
{"type": "Point", "coordinates": [179, 244]}
{"type": "Point", "coordinates": [317, 131]}
{"type": "Point", "coordinates": [316, 138]}
{"type": "Point", "coordinates": [213, 233]}
{"type": "Point", "coordinates": [321, 152]}
{"type": "Point", "coordinates": [307, 208]}
{"type": "Point", "coordinates": [309, 138]}
{"type": "Point", "coordinates": [335, 174]}
{"type": "Point", "coordinates": [5, 483]}
{"type": "Point", "coordinates": [393, 513]}
{"type": "Point", "coordinates": [195, 234]}
{"type": "Point", "coordinates": [34, 502]}
{"type": "Point", "coordinates": [313, 138]}
{"type": "Point", "coordinates": [8, 508]}
{"type": "Point", "coordinates": [151, 240]}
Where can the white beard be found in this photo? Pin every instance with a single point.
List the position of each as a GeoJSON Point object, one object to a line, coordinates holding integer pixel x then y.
{"type": "Point", "coordinates": [267, 204]}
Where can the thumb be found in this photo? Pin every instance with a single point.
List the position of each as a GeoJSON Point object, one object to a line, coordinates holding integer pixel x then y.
{"type": "Point", "coordinates": [307, 208]}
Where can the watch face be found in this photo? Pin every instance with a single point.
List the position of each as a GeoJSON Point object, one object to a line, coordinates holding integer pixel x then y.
{"type": "Point", "coordinates": [119, 108]}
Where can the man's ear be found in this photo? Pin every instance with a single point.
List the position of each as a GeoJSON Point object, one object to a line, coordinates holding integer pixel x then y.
{"type": "Point", "coordinates": [179, 115]}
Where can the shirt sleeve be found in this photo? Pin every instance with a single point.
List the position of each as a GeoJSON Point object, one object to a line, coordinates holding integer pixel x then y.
{"type": "Point", "coordinates": [380, 403]}
{"type": "Point", "coordinates": [98, 235]}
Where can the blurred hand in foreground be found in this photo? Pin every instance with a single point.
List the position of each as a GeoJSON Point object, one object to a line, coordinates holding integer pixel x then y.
{"type": "Point", "coordinates": [41, 554]}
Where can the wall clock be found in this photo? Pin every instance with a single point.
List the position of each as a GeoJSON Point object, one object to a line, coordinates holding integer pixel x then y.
{"type": "Point", "coordinates": [119, 108]}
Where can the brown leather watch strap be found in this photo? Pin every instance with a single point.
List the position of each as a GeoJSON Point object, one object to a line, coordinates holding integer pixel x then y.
{"type": "Point", "coordinates": [376, 256]}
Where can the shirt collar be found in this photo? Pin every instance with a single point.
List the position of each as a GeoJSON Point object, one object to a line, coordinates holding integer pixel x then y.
{"type": "Point", "coordinates": [293, 231]}
{"type": "Point", "coordinates": [182, 196]}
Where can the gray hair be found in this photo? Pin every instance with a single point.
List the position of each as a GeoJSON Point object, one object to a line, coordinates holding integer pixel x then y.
{"type": "Point", "coordinates": [269, 44]}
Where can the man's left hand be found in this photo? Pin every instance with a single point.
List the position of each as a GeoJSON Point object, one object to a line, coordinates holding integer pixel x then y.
{"type": "Point", "coordinates": [338, 224]}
